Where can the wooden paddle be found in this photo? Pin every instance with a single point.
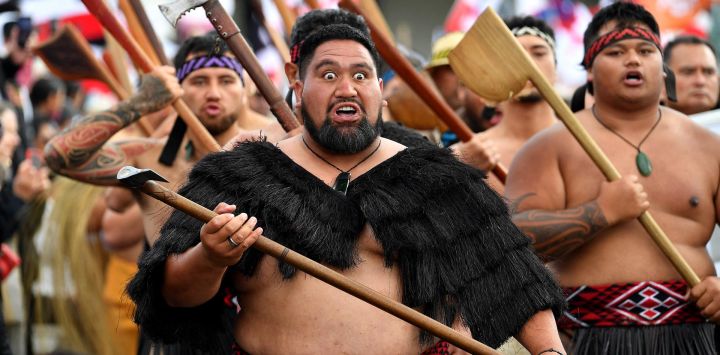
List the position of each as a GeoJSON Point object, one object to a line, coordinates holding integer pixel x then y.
{"type": "Point", "coordinates": [114, 58]}
{"type": "Point", "coordinates": [405, 70]}
{"type": "Point", "coordinates": [275, 37]}
{"type": "Point", "coordinates": [313, 4]}
{"type": "Point", "coordinates": [145, 181]}
{"type": "Point", "coordinates": [137, 30]}
{"type": "Point", "coordinates": [103, 13]}
{"type": "Point", "coordinates": [493, 64]}
{"type": "Point", "coordinates": [68, 55]}
{"type": "Point", "coordinates": [372, 10]}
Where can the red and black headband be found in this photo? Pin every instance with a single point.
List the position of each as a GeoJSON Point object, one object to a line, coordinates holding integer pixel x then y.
{"type": "Point", "coordinates": [295, 52]}
{"type": "Point", "coordinates": [615, 36]}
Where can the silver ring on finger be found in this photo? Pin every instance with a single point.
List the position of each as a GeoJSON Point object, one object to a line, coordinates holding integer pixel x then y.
{"type": "Point", "coordinates": [232, 242]}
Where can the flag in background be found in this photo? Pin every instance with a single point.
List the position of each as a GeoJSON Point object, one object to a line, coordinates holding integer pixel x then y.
{"type": "Point", "coordinates": [463, 13]}
{"type": "Point", "coordinates": [675, 17]}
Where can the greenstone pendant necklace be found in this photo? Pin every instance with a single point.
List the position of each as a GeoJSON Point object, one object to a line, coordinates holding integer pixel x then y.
{"type": "Point", "coordinates": [342, 181]}
{"type": "Point", "coordinates": [642, 161]}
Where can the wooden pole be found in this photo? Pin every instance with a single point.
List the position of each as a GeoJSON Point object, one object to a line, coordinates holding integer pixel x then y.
{"type": "Point", "coordinates": [313, 4]}
{"type": "Point", "coordinates": [228, 30]}
{"type": "Point", "coordinates": [275, 37]}
{"type": "Point", "coordinates": [372, 10]}
{"type": "Point", "coordinates": [68, 55]}
{"type": "Point", "coordinates": [100, 10]}
{"type": "Point", "coordinates": [490, 51]}
{"type": "Point", "coordinates": [137, 30]}
{"type": "Point", "coordinates": [287, 15]}
{"type": "Point", "coordinates": [405, 70]}
{"type": "Point", "coordinates": [149, 31]}
{"type": "Point", "coordinates": [114, 57]}
{"type": "Point", "coordinates": [326, 274]}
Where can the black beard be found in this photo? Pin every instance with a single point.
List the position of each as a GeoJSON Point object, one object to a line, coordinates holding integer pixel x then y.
{"type": "Point", "coordinates": [532, 98]}
{"type": "Point", "coordinates": [332, 139]}
{"type": "Point", "coordinates": [220, 125]}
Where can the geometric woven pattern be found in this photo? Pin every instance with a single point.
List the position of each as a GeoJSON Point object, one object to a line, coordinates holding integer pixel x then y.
{"type": "Point", "coordinates": [633, 304]}
{"type": "Point", "coordinates": [440, 348]}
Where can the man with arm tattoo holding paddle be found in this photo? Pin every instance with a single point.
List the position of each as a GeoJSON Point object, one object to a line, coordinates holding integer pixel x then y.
{"type": "Point", "coordinates": [624, 296]}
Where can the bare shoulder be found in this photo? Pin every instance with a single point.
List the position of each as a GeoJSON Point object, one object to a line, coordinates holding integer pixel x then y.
{"type": "Point", "coordinates": [246, 136]}
{"type": "Point", "coordinates": [535, 169]}
{"type": "Point", "coordinates": [691, 131]}
{"type": "Point", "coordinates": [546, 144]}
{"type": "Point", "coordinates": [274, 132]}
{"type": "Point", "coordinates": [391, 146]}
{"type": "Point", "coordinates": [388, 149]}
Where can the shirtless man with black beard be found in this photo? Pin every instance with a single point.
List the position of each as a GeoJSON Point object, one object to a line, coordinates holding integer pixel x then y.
{"type": "Point", "coordinates": [414, 224]}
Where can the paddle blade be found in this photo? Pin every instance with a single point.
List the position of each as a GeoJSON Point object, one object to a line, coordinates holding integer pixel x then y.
{"type": "Point", "coordinates": [490, 61]}
{"type": "Point", "coordinates": [68, 55]}
{"type": "Point", "coordinates": [409, 109]}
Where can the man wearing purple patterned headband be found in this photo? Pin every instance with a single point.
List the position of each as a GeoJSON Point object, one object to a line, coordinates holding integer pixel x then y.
{"type": "Point", "coordinates": [209, 80]}
{"type": "Point", "coordinates": [624, 296]}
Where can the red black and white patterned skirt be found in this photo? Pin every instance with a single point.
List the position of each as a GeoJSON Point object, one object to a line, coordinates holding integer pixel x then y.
{"type": "Point", "coordinates": [646, 317]}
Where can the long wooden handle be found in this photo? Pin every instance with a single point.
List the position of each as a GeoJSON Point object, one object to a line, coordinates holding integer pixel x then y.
{"type": "Point", "coordinates": [114, 58]}
{"type": "Point", "coordinates": [142, 62]}
{"type": "Point", "coordinates": [115, 71]}
{"type": "Point", "coordinates": [288, 17]}
{"type": "Point", "coordinates": [611, 173]}
{"type": "Point", "coordinates": [137, 31]}
{"type": "Point", "coordinates": [313, 4]}
{"type": "Point", "coordinates": [229, 31]}
{"type": "Point", "coordinates": [405, 70]}
{"type": "Point", "coordinates": [68, 55]}
{"type": "Point", "coordinates": [326, 274]}
{"type": "Point", "coordinates": [277, 41]}
{"type": "Point", "coordinates": [144, 22]}
{"type": "Point", "coordinates": [372, 10]}
{"type": "Point", "coordinates": [275, 37]}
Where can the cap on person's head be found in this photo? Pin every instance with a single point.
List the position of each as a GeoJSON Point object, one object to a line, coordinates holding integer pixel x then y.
{"type": "Point", "coordinates": [442, 47]}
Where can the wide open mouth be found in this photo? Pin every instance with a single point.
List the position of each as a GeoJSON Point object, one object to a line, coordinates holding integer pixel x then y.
{"type": "Point", "coordinates": [633, 77]}
{"type": "Point", "coordinates": [346, 112]}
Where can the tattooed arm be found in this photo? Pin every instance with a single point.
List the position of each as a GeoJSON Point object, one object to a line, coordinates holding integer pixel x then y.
{"type": "Point", "coordinates": [83, 151]}
{"type": "Point", "coordinates": [556, 233]}
{"type": "Point", "coordinates": [537, 188]}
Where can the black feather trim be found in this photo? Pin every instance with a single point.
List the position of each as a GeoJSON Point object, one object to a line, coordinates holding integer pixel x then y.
{"type": "Point", "coordinates": [449, 234]}
{"type": "Point", "coordinates": [396, 132]}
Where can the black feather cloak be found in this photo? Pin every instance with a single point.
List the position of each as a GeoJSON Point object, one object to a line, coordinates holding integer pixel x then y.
{"type": "Point", "coordinates": [449, 234]}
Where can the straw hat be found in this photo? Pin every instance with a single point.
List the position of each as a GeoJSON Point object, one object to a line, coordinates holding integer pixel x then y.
{"type": "Point", "coordinates": [442, 47]}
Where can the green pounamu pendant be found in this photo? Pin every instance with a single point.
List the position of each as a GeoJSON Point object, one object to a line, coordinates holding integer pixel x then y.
{"type": "Point", "coordinates": [342, 182]}
{"type": "Point", "coordinates": [643, 164]}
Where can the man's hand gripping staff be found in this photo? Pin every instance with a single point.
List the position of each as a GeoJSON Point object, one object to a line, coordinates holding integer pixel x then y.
{"type": "Point", "coordinates": [489, 50]}
{"type": "Point", "coordinates": [222, 231]}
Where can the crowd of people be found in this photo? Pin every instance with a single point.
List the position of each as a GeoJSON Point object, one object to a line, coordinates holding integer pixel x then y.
{"type": "Point", "coordinates": [374, 186]}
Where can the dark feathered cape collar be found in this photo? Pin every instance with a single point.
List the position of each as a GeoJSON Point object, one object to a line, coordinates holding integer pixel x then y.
{"type": "Point", "coordinates": [437, 221]}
